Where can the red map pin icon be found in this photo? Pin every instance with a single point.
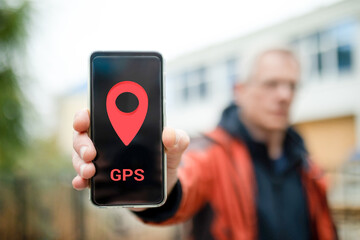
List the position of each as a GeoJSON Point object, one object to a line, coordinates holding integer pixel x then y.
{"type": "Point", "coordinates": [126, 125]}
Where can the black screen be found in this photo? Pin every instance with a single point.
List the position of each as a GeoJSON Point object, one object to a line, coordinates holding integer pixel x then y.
{"type": "Point", "coordinates": [116, 158]}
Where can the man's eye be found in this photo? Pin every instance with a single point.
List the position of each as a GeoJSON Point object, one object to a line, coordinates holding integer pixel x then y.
{"type": "Point", "coordinates": [271, 84]}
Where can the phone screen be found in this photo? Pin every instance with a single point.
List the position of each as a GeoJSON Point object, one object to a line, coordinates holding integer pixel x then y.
{"type": "Point", "coordinates": [126, 98]}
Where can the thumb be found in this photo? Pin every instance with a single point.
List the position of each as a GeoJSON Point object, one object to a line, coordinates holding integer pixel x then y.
{"type": "Point", "coordinates": [175, 142]}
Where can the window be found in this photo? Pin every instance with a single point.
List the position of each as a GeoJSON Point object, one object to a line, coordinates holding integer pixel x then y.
{"type": "Point", "coordinates": [194, 85]}
{"type": "Point", "coordinates": [185, 89]}
{"type": "Point", "coordinates": [314, 56]}
{"type": "Point", "coordinates": [203, 85]}
{"type": "Point", "coordinates": [329, 51]}
{"type": "Point", "coordinates": [231, 71]}
{"type": "Point", "coordinates": [345, 36]}
{"type": "Point", "coordinates": [344, 58]}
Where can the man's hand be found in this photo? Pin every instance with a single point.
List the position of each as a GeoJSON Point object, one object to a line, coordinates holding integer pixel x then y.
{"type": "Point", "coordinates": [175, 142]}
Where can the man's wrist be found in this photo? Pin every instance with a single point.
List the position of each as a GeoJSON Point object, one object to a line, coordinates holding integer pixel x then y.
{"type": "Point", "coordinates": [165, 211]}
{"type": "Point", "coordinates": [171, 180]}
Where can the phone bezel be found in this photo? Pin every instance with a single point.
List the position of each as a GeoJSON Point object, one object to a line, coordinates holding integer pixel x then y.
{"type": "Point", "coordinates": [163, 116]}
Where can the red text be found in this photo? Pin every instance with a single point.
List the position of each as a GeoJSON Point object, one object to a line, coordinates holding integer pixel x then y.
{"type": "Point", "coordinates": [118, 175]}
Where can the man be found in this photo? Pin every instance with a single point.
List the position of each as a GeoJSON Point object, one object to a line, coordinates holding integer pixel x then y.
{"type": "Point", "coordinates": [250, 178]}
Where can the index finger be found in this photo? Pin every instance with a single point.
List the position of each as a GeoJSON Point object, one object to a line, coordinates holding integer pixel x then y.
{"type": "Point", "coordinates": [82, 120]}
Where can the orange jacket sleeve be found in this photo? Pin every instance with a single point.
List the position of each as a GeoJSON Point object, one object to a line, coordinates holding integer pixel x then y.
{"type": "Point", "coordinates": [189, 193]}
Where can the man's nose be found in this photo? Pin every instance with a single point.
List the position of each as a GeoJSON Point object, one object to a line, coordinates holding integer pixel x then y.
{"type": "Point", "coordinates": [285, 91]}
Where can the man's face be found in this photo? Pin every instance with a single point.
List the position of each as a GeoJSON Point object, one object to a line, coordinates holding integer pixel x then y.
{"type": "Point", "coordinates": [266, 97]}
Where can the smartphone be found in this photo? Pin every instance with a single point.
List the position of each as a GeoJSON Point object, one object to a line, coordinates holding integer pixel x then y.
{"type": "Point", "coordinates": [126, 124]}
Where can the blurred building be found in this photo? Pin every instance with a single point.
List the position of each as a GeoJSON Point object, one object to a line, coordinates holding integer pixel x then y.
{"type": "Point", "coordinates": [199, 84]}
{"type": "Point", "coordinates": [326, 110]}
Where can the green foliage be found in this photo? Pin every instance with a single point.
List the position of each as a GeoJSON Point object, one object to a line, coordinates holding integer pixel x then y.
{"type": "Point", "coordinates": [35, 181]}
{"type": "Point", "coordinates": [12, 37]}
{"type": "Point", "coordinates": [11, 117]}
{"type": "Point", "coordinates": [12, 23]}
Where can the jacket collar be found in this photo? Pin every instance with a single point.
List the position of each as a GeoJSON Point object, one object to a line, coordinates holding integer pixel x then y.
{"type": "Point", "coordinates": [293, 146]}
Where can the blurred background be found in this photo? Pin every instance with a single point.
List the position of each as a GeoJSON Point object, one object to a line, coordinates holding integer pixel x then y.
{"type": "Point", "coordinates": [44, 71]}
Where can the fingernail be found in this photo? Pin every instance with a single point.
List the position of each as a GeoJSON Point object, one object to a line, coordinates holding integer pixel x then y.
{"type": "Point", "coordinates": [177, 137]}
{"type": "Point", "coordinates": [82, 167]}
{"type": "Point", "coordinates": [82, 151]}
{"type": "Point", "coordinates": [86, 110]}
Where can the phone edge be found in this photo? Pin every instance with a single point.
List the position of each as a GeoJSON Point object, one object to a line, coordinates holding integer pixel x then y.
{"type": "Point", "coordinates": [163, 100]}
